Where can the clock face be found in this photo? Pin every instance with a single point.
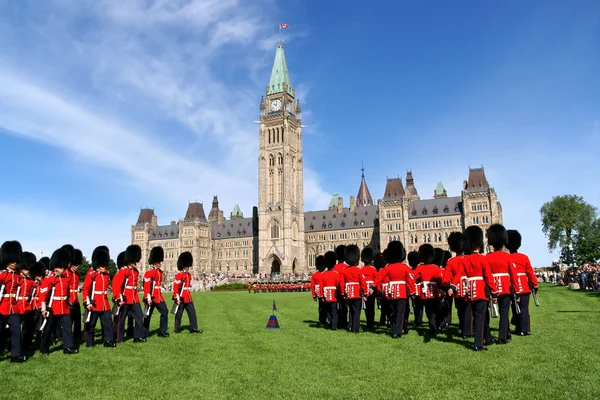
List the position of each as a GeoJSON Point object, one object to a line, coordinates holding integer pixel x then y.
{"type": "Point", "coordinates": [276, 105]}
{"type": "Point", "coordinates": [288, 106]}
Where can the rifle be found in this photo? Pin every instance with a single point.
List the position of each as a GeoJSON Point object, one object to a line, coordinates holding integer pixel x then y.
{"type": "Point", "coordinates": [88, 313]}
{"type": "Point", "coordinates": [116, 307]}
{"type": "Point", "coordinates": [411, 306]}
{"type": "Point", "coordinates": [534, 293]}
{"type": "Point", "coordinates": [516, 303]}
{"type": "Point", "coordinates": [42, 322]}
{"type": "Point", "coordinates": [2, 289]}
{"type": "Point", "coordinates": [175, 305]}
{"type": "Point", "coordinates": [147, 307]}
{"type": "Point", "coordinates": [494, 308]}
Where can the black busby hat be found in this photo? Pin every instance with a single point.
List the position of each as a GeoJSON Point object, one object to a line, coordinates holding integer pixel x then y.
{"type": "Point", "coordinates": [70, 249]}
{"type": "Point", "coordinates": [157, 255]}
{"type": "Point", "coordinates": [11, 252]}
{"type": "Point", "coordinates": [426, 253]}
{"type": "Point", "coordinates": [121, 260]}
{"type": "Point", "coordinates": [77, 258]}
{"type": "Point", "coordinates": [330, 259]}
{"type": "Point", "coordinates": [378, 261]}
{"type": "Point", "coordinates": [395, 252]}
{"type": "Point", "coordinates": [514, 240]}
{"type": "Point", "coordinates": [352, 254]}
{"type": "Point", "coordinates": [38, 269]}
{"type": "Point", "coordinates": [447, 256]}
{"type": "Point", "coordinates": [27, 261]}
{"type": "Point", "coordinates": [366, 255]}
{"type": "Point", "coordinates": [339, 253]}
{"type": "Point", "coordinates": [320, 263]}
{"type": "Point", "coordinates": [133, 254]}
{"type": "Point", "coordinates": [413, 259]}
{"type": "Point", "coordinates": [100, 257]}
{"type": "Point", "coordinates": [185, 259]}
{"type": "Point", "coordinates": [46, 262]}
{"type": "Point", "coordinates": [473, 239]}
{"type": "Point", "coordinates": [60, 258]}
{"type": "Point", "coordinates": [497, 236]}
{"type": "Point", "coordinates": [455, 241]}
{"type": "Point", "coordinates": [438, 258]}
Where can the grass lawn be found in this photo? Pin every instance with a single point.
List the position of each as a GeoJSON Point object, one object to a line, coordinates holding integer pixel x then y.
{"type": "Point", "coordinates": [236, 357]}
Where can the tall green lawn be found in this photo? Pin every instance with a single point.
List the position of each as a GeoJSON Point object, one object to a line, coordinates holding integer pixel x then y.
{"type": "Point", "coordinates": [236, 357]}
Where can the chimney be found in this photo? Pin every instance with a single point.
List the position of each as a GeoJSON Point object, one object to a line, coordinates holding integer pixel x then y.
{"type": "Point", "coordinates": [352, 204]}
{"type": "Point", "coordinates": [172, 222]}
{"type": "Point", "coordinates": [220, 218]}
{"type": "Point", "coordinates": [340, 207]}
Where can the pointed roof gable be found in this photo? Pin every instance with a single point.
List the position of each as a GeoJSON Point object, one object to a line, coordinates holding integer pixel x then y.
{"type": "Point", "coordinates": [236, 213]}
{"type": "Point", "coordinates": [393, 189]}
{"type": "Point", "coordinates": [214, 211]}
{"type": "Point", "coordinates": [334, 201]}
{"type": "Point", "coordinates": [363, 198]}
{"type": "Point", "coordinates": [439, 191]}
{"type": "Point", "coordinates": [145, 216]}
{"type": "Point", "coordinates": [279, 74]}
{"type": "Point", "coordinates": [410, 185]}
{"type": "Point", "coordinates": [477, 181]}
{"type": "Point", "coordinates": [195, 211]}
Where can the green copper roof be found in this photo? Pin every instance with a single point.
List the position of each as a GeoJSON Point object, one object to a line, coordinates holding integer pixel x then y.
{"type": "Point", "coordinates": [279, 74]}
{"type": "Point", "coordinates": [334, 201]}
{"type": "Point", "coordinates": [439, 189]}
{"type": "Point", "coordinates": [237, 211]}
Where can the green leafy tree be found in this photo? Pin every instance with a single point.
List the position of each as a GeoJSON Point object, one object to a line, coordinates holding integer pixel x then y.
{"type": "Point", "coordinates": [564, 218]}
{"type": "Point", "coordinates": [586, 244]}
{"type": "Point", "coordinates": [86, 265]}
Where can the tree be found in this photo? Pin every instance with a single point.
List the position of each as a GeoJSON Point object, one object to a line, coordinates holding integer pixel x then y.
{"type": "Point", "coordinates": [86, 265]}
{"type": "Point", "coordinates": [564, 218]}
{"type": "Point", "coordinates": [586, 244]}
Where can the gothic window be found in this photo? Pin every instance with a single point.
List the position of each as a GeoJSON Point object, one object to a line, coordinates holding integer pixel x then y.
{"type": "Point", "coordinates": [269, 136]}
{"type": "Point", "coordinates": [279, 159]}
{"type": "Point", "coordinates": [271, 191]}
{"type": "Point", "coordinates": [282, 135]}
{"type": "Point", "coordinates": [277, 135]}
{"type": "Point", "coordinates": [428, 238]}
{"type": "Point", "coordinates": [271, 160]}
{"type": "Point", "coordinates": [274, 229]}
{"type": "Point", "coordinates": [280, 185]}
{"type": "Point", "coordinates": [424, 238]}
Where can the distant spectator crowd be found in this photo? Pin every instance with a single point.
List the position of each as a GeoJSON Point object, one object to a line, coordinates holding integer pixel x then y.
{"type": "Point", "coordinates": [587, 276]}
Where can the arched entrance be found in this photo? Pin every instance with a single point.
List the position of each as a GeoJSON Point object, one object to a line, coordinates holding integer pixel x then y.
{"type": "Point", "coordinates": [275, 267]}
{"type": "Point", "coordinates": [294, 267]}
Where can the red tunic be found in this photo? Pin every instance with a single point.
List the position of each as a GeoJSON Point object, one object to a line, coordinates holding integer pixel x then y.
{"type": "Point", "coordinates": [181, 287]}
{"type": "Point", "coordinates": [24, 301]}
{"type": "Point", "coordinates": [315, 284]}
{"type": "Point", "coordinates": [385, 281]}
{"type": "Point", "coordinates": [339, 268]}
{"type": "Point", "coordinates": [502, 271]}
{"type": "Point", "coordinates": [117, 284]}
{"type": "Point", "coordinates": [35, 295]}
{"type": "Point", "coordinates": [367, 278]}
{"type": "Point", "coordinates": [477, 270]}
{"type": "Point", "coordinates": [331, 283]}
{"type": "Point", "coordinates": [153, 277]}
{"type": "Point", "coordinates": [11, 281]}
{"type": "Point", "coordinates": [524, 273]}
{"type": "Point", "coordinates": [125, 285]}
{"type": "Point", "coordinates": [398, 278]}
{"type": "Point", "coordinates": [350, 282]}
{"type": "Point", "coordinates": [73, 286]}
{"type": "Point", "coordinates": [60, 284]}
{"type": "Point", "coordinates": [99, 296]}
{"type": "Point", "coordinates": [430, 277]}
{"type": "Point", "coordinates": [454, 271]}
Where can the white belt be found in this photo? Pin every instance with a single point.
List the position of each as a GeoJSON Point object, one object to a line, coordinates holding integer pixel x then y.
{"type": "Point", "coordinates": [429, 283]}
{"type": "Point", "coordinates": [186, 288]}
{"type": "Point", "coordinates": [521, 274]}
{"type": "Point", "coordinates": [330, 287]}
{"type": "Point", "coordinates": [397, 282]}
{"type": "Point", "coordinates": [370, 282]}
{"type": "Point", "coordinates": [74, 291]}
{"type": "Point", "coordinates": [500, 274]}
{"type": "Point", "coordinates": [131, 287]}
{"type": "Point", "coordinates": [352, 283]}
{"type": "Point", "coordinates": [475, 278]}
{"type": "Point", "coordinates": [21, 298]}
{"type": "Point", "coordinates": [60, 298]}
{"type": "Point", "coordinates": [100, 292]}
{"type": "Point", "coordinates": [8, 295]}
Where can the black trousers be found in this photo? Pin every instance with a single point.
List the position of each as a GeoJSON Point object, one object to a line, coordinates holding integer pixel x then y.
{"type": "Point", "coordinates": [105, 324]}
{"type": "Point", "coordinates": [76, 320]}
{"type": "Point", "coordinates": [370, 311]}
{"type": "Point", "coordinates": [332, 314]}
{"type": "Point", "coordinates": [398, 315]}
{"type": "Point", "coordinates": [134, 311]}
{"type": "Point", "coordinates": [433, 313]}
{"type": "Point", "coordinates": [418, 310]}
{"type": "Point", "coordinates": [27, 329]}
{"type": "Point", "coordinates": [503, 308]}
{"type": "Point", "coordinates": [459, 304]}
{"type": "Point", "coordinates": [191, 313]}
{"type": "Point", "coordinates": [64, 323]}
{"type": "Point", "coordinates": [354, 307]}
{"type": "Point", "coordinates": [322, 312]}
{"type": "Point", "coordinates": [14, 325]}
{"type": "Point", "coordinates": [342, 313]}
{"type": "Point", "coordinates": [164, 318]}
{"type": "Point", "coordinates": [523, 322]}
{"type": "Point", "coordinates": [467, 327]}
{"type": "Point", "coordinates": [479, 308]}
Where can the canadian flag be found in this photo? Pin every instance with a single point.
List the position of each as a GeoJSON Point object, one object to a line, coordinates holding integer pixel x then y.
{"type": "Point", "coordinates": [282, 26]}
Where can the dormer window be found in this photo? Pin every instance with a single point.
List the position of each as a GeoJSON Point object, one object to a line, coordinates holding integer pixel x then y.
{"type": "Point", "coordinates": [324, 225]}
{"type": "Point", "coordinates": [435, 210]}
{"type": "Point", "coordinates": [424, 212]}
{"type": "Point", "coordinates": [446, 209]}
{"type": "Point", "coordinates": [330, 225]}
{"type": "Point", "coordinates": [414, 212]}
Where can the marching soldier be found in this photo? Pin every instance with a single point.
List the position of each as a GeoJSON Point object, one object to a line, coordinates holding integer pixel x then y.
{"type": "Point", "coordinates": [75, 308]}
{"type": "Point", "coordinates": [524, 281]}
{"type": "Point", "coordinates": [330, 280]}
{"type": "Point", "coordinates": [182, 295]}
{"type": "Point", "coordinates": [24, 301]}
{"type": "Point", "coordinates": [38, 272]}
{"type": "Point", "coordinates": [342, 313]}
{"type": "Point", "coordinates": [350, 285]}
{"type": "Point", "coordinates": [11, 254]}
{"type": "Point", "coordinates": [367, 280]}
{"type": "Point", "coordinates": [451, 273]}
{"type": "Point", "coordinates": [316, 288]}
{"type": "Point", "coordinates": [95, 294]}
{"type": "Point", "coordinates": [429, 278]}
{"type": "Point", "coordinates": [54, 296]}
{"type": "Point", "coordinates": [126, 294]}
{"type": "Point", "coordinates": [413, 261]}
{"type": "Point", "coordinates": [153, 293]}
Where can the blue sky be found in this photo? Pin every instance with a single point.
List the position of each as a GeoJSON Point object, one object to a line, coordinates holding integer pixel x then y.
{"type": "Point", "coordinates": [106, 107]}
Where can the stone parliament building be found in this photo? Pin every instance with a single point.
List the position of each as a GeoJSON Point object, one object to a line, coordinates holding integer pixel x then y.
{"type": "Point", "coordinates": [280, 237]}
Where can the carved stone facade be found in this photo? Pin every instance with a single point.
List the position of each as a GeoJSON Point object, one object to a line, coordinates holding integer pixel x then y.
{"type": "Point", "coordinates": [280, 237]}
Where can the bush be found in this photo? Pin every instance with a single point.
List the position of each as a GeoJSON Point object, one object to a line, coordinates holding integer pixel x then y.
{"type": "Point", "coordinates": [230, 286]}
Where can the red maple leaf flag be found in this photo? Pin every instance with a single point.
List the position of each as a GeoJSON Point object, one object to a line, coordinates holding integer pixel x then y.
{"type": "Point", "coordinates": [282, 26]}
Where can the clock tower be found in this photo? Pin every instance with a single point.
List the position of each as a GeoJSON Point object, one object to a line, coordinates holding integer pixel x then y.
{"type": "Point", "coordinates": [280, 177]}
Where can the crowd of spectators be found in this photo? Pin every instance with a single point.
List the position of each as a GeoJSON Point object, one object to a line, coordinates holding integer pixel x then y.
{"type": "Point", "coordinates": [586, 277]}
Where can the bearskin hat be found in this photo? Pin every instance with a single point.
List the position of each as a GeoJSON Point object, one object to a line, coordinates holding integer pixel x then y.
{"type": "Point", "coordinates": [157, 255]}
{"type": "Point", "coordinates": [28, 261]}
{"type": "Point", "coordinates": [133, 254]}
{"type": "Point", "coordinates": [352, 254]}
{"type": "Point", "coordinates": [77, 258]}
{"type": "Point", "coordinates": [121, 260]}
{"type": "Point", "coordinates": [447, 256]}
{"type": "Point", "coordinates": [497, 236]}
{"type": "Point", "coordinates": [185, 259]}
{"type": "Point", "coordinates": [339, 253]}
{"type": "Point", "coordinates": [378, 261]}
{"type": "Point", "coordinates": [473, 239]}
{"type": "Point", "coordinates": [413, 259]}
{"type": "Point", "coordinates": [366, 255]}
{"type": "Point", "coordinates": [38, 269]}
{"type": "Point", "coordinates": [70, 249]}
{"type": "Point", "coordinates": [438, 258]}
{"type": "Point", "coordinates": [455, 241]}
{"type": "Point", "coordinates": [395, 252]}
{"type": "Point", "coordinates": [330, 259]}
{"type": "Point", "coordinates": [514, 240]}
{"type": "Point", "coordinates": [320, 263]}
{"type": "Point", "coordinates": [426, 254]}
{"type": "Point", "coordinates": [100, 257]}
{"type": "Point", "coordinates": [46, 262]}
{"type": "Point", "coordinates": [61, 258]}
{"type": "Point", "coordinates": [11, 252]}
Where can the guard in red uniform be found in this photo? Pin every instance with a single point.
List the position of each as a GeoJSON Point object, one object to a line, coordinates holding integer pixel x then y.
{"type": "Point", "coordinates": [429, 280]}
{"type": "Point", "coordinates": [316, 288]}
{"type": "Point", "coordinates": [342, 312]}
{"type": "Point", "coordinates": [524, 281]}
{"type": "Point", "coordinates": [75, 309]}
{"type": "Point", "coordinates": [54, 296]}
{"type": "Point", "coordinates": [125, 291]}
{"type": "Point", "coordinates": [38, 272]}
{"type": "Point", "coordinates": [95, 295]}
{"type": "Point", "coordinates": [330, 280]}
{"type": "Point", "coordinates": [367, 280]}
{"type": "Point", "coordinates": [24, 303]}
{"type": "Point", "coordinates": [11, 254]}
{"type": "Point", "coordinates": [413, 261]}
{"type": "Point", "coordinates": [182, 295]}
{"type": "Point", "coordinates": [153, 297]}
{"type": "Point", "coordinates": [451, 274]}
{"type": "Point", "coordinates": [504, 273]}
{"type": "Point", "coordinates": [350, 285]}
{"type": "Point", "coordinates": [400, 284]}
{"type": "Point", "coordinates": [479, 275]}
